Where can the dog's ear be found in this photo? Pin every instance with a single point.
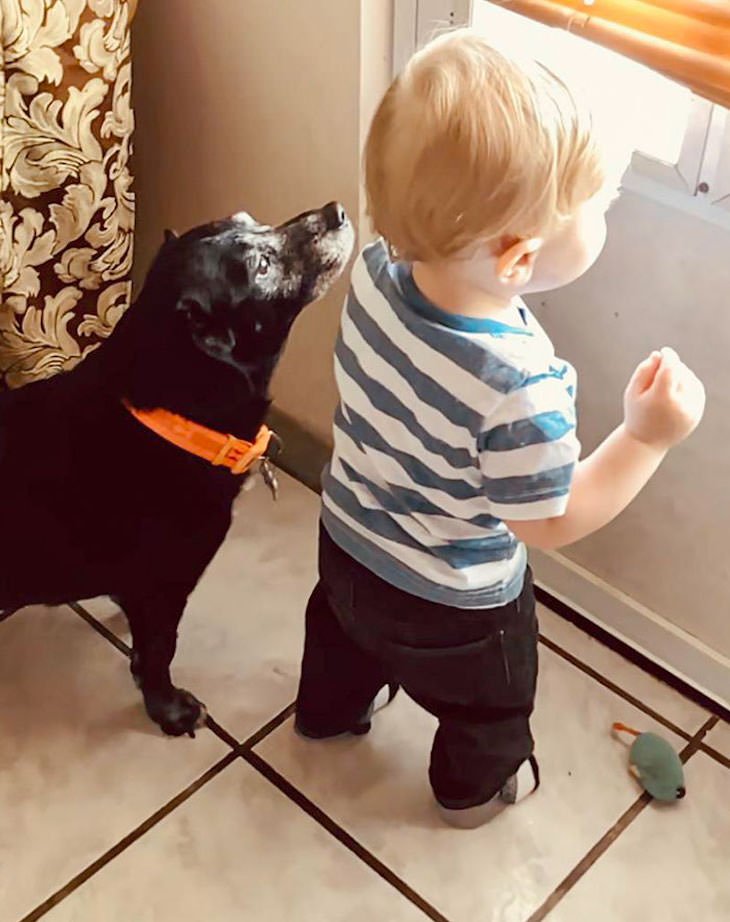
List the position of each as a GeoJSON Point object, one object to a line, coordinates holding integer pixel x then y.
{"type": "Point", "coordinates": [170, 235]}
{"type": "Point", "coordinates": [209, 333]}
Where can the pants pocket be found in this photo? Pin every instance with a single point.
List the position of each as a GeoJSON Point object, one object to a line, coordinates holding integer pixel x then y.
{"type": "Point", "coordinates": [498, 671]}
{"type": "Point", "coordinates": [519, 653]}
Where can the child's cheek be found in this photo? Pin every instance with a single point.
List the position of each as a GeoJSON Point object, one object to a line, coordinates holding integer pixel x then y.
{"type": "Point", "coordinates": [566, 259]}
{"type": "Point", "coordinates": [595, 242]}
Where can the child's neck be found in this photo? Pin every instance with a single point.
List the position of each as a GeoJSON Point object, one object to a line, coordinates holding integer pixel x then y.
{"type": "Point", "coordinates": [444, 285]}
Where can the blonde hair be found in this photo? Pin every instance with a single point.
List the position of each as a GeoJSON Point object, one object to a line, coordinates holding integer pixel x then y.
{"type": "Point", "coordinates": [470, 144]}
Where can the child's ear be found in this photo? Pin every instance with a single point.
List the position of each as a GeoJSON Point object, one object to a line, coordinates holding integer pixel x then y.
{"type": "Point", "coordinates": [516, 261]}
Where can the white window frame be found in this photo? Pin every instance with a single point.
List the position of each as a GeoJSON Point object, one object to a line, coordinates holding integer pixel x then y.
{"type": "Point", "coordinates": [714, 178]}
{"type": "Point", "coordinates": [414, 21]}
{"type": "Point", "coordinates": [698, 184]}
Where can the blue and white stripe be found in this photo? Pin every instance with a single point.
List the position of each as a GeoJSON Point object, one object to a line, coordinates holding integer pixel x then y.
{"type": "Point", "coordinates": [447, 427]}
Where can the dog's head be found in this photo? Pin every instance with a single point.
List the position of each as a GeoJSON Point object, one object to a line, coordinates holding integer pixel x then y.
{"type": "Point", "coordinates": [237, 285]}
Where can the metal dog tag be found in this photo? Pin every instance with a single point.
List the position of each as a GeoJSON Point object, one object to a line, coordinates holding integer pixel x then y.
{"type": "Point", "coordinates": [268, 472]}
{"type": "Point", "coordinates": [274, 447]}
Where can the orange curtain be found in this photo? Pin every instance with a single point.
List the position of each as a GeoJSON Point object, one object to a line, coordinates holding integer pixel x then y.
{"type": "Point", "coordinates": [687, 40]}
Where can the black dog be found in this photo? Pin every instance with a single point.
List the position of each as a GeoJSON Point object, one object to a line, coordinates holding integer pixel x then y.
{"type": "Point", "coordinates": [93, 502]}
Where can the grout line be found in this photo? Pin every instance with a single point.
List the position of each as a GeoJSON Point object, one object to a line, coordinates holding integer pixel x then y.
{"type": "Point", "coordinates": [237, 749]}
{"type": "Point", "coordinates": [590, 858]}
{"type": "Point", "coordinates": [220, 732]}
{"type": "Point", "coordinates": [625, 650]}
{"type": "Point", "coordinates": [710, 750]}
{"type": "Point", "coordinates": [255, 738]}
{"type": "Point", "coordinates": [267, 728]}
{"type": "Point", "coordinates": [696, 742]}
{"type": "Point", "coordinates": [101, 628]}
{"type": "Point", "coordinates": [616, 689]}
{"type": "Point", "coordinates": [129, 839]}
{"type": "Point", "coordinates": [210, 722]}
{"type": "Point", "coordinates": [342, 836]}
{"type": "Point", "coordinates": [714, 754]}
{"type": "Point", "coordinates": [605, 842]}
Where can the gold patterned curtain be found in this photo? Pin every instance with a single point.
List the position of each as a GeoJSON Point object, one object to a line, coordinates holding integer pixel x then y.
{"type": "Point", "coordinates": [66, 205]}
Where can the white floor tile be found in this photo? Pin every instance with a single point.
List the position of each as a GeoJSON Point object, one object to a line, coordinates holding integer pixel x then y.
{"type": "Point", "coordinates": [376, 787]}
{"type": "Point", "coordinates": [241, 638]}
{"type": "Point", "coordinates": [683, 713]}
{"type": "Point", "coordinates": [237, 850]}
{"type": "Point", "coordinates": [80, 763]}
{"type": "Point", "coordinates": [672, 863]}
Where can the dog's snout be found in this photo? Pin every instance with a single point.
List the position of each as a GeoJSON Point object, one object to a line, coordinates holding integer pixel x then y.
{"type": "Point", "coordinates": [334, 215]}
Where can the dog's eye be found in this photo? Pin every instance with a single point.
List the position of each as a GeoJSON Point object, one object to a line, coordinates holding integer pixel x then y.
{"type": "Point", "coordinates": [263, 265]}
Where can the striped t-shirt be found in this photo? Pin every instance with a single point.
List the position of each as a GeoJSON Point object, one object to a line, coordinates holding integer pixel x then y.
{"type": "Point", "coordinates": [446, 426]}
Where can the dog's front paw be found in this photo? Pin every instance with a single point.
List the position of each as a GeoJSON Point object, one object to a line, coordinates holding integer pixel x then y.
{"type": "Point", "coordinates": [176, 711]}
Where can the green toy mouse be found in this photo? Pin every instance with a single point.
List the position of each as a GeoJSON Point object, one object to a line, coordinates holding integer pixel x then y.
{"type": "Point", "coordinates": [656, 765]}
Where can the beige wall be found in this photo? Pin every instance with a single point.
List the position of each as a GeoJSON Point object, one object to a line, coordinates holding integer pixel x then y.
{"type": "Point", "coordinates": [263, 104]}
{"type": "Point", "coordinates": [664, 279]}
{"type": "Point", "coordinates": [253, 105]}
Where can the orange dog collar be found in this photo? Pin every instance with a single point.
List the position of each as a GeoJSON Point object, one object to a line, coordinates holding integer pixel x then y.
{"type": "Point", "coordinates": [219, 449]}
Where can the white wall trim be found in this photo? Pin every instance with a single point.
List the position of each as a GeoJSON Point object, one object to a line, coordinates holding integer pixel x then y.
{"type": "Point", "coordinates": [405, 26]}
{"type": "Point", "coordinates": [638, 626]}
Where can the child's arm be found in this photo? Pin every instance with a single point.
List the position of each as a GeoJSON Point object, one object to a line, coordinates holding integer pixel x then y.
{"type": "Point", "coordinates": [663, 403]}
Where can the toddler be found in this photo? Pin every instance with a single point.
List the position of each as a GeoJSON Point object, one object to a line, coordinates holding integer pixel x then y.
{"type": "Point", "coordinates": [455, 436]}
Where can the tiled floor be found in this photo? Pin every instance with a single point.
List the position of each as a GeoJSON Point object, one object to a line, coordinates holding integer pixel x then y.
{"type": "Point", "coordinates": [103, 818]}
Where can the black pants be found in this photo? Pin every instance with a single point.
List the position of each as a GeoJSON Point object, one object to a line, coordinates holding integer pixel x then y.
{"type": "Point", "coordinates": [474, 669]}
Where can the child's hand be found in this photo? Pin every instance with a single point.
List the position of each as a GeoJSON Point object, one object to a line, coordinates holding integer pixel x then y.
{"type": "Point", "coordinates": [664, 401]}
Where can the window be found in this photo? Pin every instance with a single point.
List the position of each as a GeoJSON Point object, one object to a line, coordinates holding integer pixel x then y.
{"type": "Point", "coordinates": [682, 141]}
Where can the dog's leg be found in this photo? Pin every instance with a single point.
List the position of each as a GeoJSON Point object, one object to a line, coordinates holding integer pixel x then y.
{"type": "Point", "coordinates": [154, 621]}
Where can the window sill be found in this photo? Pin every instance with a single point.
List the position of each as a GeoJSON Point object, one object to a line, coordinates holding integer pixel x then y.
{"type": "Point", "coordinates": [696, 206]}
